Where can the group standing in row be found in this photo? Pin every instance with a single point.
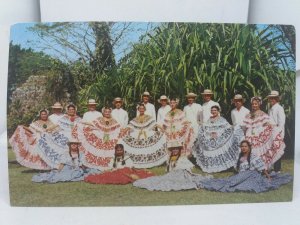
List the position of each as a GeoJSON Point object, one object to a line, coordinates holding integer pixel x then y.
{"type": "Point", "coordinates": [148, 140]}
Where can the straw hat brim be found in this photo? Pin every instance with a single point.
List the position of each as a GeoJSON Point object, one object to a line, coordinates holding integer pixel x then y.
{"type": "Point", "coordinates": [274, 96]}
{"type": "Point", "coordinates": [191, 96]}
{"type": "Point", "coordinates": [240, 99]}
{"type": "Point", "coordinates": [159, 100]}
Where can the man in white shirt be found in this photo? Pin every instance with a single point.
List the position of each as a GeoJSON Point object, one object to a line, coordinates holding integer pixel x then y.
{"type": "Point", "coordinates": [150, 109]}
{"type": "Point", "coordinates": [56, 112]}
{"type": "Point", "coordinates": [206, 106]}
{"type": "Point", "coordinates": [163, 110]}
{"type": "Point", "coordinates": [277, 117]}
{"type": "Point", "coordinates": [239, 113]}
{"type": "Point", "coordinates": [192, 111]}
{"type": "Point", "coordinates": [118, 113]}
{"type": "Point", "coordinates": [92, 114]}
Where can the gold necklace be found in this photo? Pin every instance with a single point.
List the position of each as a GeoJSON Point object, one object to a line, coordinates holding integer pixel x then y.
{"type": "Point", "coordinates": [141, 119]}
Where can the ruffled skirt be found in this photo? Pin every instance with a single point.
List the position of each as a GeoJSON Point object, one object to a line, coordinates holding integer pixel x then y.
{"type": "Point", "coordinates": [175, 180]}
{"type": "Point", "coordinates": [24, 146]}
{"type": "Point", "coordinates": [148, 152]}
{"type": "Point", "coordinates": [246, 181]}
{"type": "Point", "coordinates": [67, 174]}
{"type": "Point", "coordinates": [98, 148]}
{"type": "Point", "coordinates": [267, 142]}
{"type": "Point", "coordinates": [54, 149]}
{"type": "Point", "coordinates": [120, 176]}
{"type": "Point", "coordinates": [214, 157]}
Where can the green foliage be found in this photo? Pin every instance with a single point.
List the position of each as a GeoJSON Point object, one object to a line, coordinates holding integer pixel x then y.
{"type": "Point", "coordinates": [61, 82]}
{"type": "Point", "coordinates": [103, 58]}
{"type": "Point", "coordinates": [176, 58]}
{"type": "Point", "coordinates": [22, 64]}
{"type": "Point", "coordinates": [16, 116]}
{"type": "Point", "coordinates": [228, 59]}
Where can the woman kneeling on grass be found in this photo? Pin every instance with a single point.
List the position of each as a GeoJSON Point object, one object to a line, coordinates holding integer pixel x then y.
{"type": "Point", "coordinates": [71, 170]}
{"type": "Point", "coordinates": [121, 172]}
{"type": "Point", "coordinates": [179, 176]}
{"type": "Point", "coordinates": [249, 175]}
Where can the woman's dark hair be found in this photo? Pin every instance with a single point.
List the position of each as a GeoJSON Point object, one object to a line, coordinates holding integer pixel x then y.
{"type": "Point", "coordinates": [241, 154]}
{"type": "Point", "coordinates": [141, 105]}
{"type": "Point", "coordinates": [44, 110]}
{"type": "Point", "coordinates": [256, 98]}
{"type": "Point", "coordinates": [215, 107]}
{"type": "Point", "coordinates": [71, 105]}
{"type": "Point", "coordinates": [77, 144]}
{"type": "Point", "coordinates": [119, 146]}
{"type": "Point", "coordinates": [106, 107]}
{"type": "Point", "coordinates": [173, 98]}
{"type": "Point", "coordinates": [115, 159]}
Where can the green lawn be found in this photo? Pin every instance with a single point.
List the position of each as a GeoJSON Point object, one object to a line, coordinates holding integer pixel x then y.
{"type": "Point", "coordinates": [25, 193]}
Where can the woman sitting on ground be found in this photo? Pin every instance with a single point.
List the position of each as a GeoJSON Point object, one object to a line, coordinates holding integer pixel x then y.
{"type": "Point", "coordinates": [252, 175]}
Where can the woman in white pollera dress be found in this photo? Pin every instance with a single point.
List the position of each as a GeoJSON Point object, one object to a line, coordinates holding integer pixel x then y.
{"type": "Point", "coordinates": [144, 142]}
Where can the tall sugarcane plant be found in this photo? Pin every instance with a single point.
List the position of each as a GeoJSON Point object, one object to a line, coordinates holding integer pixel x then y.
{"type": "Point", "coordinates": [177, 58]}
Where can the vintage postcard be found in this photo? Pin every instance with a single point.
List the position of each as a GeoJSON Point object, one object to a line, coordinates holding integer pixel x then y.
{"type": "Point", "coordinates": [147, 114]}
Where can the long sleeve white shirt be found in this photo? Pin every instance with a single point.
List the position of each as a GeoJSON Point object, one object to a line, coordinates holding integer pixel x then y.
{"type": "Point", "coordinates": [277, 116]}
{"type": "Point", "coordinates": [121, 116]}
{"type": "Point", "coordinates": [238, 116]}
{"type": "Point", "coordinates": [192, 113]}
{"type": "Point", "coordinates": [91, 116]}
{"type": "Point", "coordinates": [161, 114]}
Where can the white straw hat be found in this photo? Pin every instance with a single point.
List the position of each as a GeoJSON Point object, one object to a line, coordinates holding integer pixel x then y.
{"type": "Point", "coordinates": [92, 102]}
{"type": "Point", "coordinates": [163, 97]}
{"type": "Point", "coordinates": [191, 95]}
{"type": "Point", "coordinates": [57, 105]}
{"type": "Point", "coordinates": [117, 99]}
{"type": "Point", "coordinates": [238, 97]}
{"type": "Point", "coordinates": [274, 94]}
{"type": "Point", "coordinates": [207, 92]}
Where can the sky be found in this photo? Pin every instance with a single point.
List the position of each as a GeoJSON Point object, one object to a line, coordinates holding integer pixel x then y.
{"type": "Point", "coordinates": [21, 35]}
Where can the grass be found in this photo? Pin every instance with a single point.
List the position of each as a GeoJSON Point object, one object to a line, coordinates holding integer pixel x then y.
{"type": "Point", "coordinates": [23, 192]}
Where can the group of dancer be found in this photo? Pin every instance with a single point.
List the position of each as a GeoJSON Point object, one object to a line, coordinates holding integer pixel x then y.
{"type": "Point", "coordinates": [104, 148]}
